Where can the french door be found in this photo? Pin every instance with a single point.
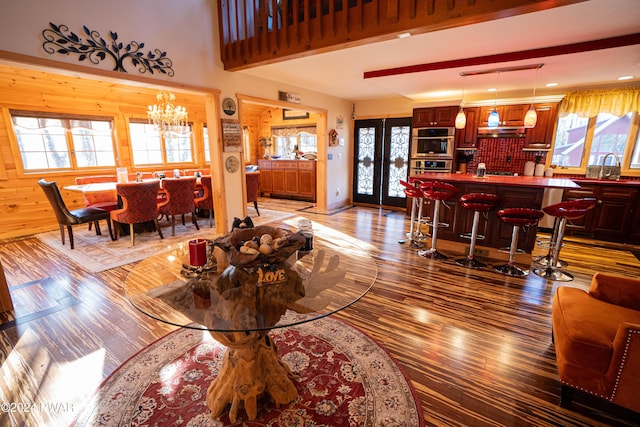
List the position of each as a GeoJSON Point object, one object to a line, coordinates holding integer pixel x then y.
{"type": "Point", "coordinates": [381, 160]}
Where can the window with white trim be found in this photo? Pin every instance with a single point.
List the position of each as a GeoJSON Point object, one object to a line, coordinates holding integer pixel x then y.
{"type": "Point", "coordinates": [57, 142]}
{"type": "Point", "coordinates": [149, 146]}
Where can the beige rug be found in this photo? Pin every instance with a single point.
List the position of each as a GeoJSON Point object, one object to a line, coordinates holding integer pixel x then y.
{"type": "Point", "coordinates": [98, 253]}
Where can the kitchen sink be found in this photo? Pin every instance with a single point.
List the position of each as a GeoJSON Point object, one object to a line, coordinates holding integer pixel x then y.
{"type": "Point", "coordinates": [608, 172]}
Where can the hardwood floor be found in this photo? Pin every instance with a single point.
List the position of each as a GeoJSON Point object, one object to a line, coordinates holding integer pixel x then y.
{"type": "Point", "coordinates": [475, 344]}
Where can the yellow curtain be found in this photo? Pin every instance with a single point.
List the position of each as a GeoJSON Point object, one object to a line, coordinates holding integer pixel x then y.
{"type": "Point", "coordinates": [590, 103]}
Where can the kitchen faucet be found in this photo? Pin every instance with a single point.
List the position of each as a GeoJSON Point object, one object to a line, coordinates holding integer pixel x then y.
{"type": "Point", "coordinates": [604, 160]}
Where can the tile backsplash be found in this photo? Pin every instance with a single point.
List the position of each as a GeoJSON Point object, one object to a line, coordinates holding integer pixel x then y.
{"type": "Point", "coordinates": [503, 155]}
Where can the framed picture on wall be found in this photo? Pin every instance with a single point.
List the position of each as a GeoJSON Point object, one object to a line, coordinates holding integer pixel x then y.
{"type": "Point", "coordinates": [231, 135]}
{"type": "Point", "coordinates": [294, 114]}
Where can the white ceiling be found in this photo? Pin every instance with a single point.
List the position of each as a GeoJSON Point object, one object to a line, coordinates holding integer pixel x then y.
{"type": "Point", "coordinates": [340, 73]}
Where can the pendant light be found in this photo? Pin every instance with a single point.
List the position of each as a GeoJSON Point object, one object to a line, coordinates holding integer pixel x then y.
{"type": "Point", "coordinates": [461, 118]}
{"type": "Point", "coordinates": [494, 117]}
{"type": "Point", "coordinates": [531, 118]}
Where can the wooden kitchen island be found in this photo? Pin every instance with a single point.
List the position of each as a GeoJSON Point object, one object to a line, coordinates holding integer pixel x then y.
{"type": "Point", "coordinates": [514, 191]}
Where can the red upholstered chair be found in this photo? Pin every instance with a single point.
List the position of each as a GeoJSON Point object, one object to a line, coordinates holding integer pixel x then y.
{"type": "Point", "coordinates": [107, 200]}
{"type": "Point", "coordinates": [138, 205]}
{"type": "Point", "coordinates": [596, 336]}
{"type": "Point", "coordinates": [253, 185]}
{"type": "Point", "coordinates": [206, 200]}
{"type": "Point", "coordinates": [67, 218]}
{"type": "Point", "coordinates": [180, 200]}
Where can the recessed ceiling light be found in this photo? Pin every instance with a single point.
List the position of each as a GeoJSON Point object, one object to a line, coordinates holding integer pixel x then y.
{"type": "Point", "coordinates": [491, 89]}
{"type": "Point", "coordinates": [404, 35]}
{"type": "Point", "coordinates": [625, 77]}
{"type": "Point", "coordinates": [551, 84]}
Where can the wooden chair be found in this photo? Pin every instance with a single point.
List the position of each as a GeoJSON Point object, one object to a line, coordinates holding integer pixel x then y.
{"type": "Point", "coordinates": [253, 185]}
{"type": "Point", "coordinates": [138, 205]}
{"type": "Point", "coordinates": [180, 200]}
{"type": "Point", "coordinates": [206, 200]}
{"type": "Point", "coordinates": [67, 218]}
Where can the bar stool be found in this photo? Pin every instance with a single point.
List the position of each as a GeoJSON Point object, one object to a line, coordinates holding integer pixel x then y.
{"type": "Point", "coordinates": [438, 192]}
{"type": "Point", "coordinates": [417, 196]}
{"type": "Point", "coordinates": [518, 217]}
{"type": "Point", "coordinates": [567, 210]}
{"type": "Point", "coordinates": [549, 244]}
{"type": "Point", "coordinates": [477, 202]}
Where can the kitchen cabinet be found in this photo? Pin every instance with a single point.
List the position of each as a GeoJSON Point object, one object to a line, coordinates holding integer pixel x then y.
{"type": "Point", "coordinates": [510, 115]}
{"type": "Point", "coordinates": [540, 136]}
{"type": "Point", "coordinates": [612, 219]}
{"type": "Point", "coordinates": [294, 179]}
{"type": "Point", "coordinates": [436, 116]}
{"type": "Point", "coordinates": [467, 138]}
{"type": "Point", "coordinates": [496, 233]}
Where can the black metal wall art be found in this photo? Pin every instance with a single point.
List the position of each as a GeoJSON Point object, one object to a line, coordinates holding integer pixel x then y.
{"type": "Point", "coordinates": [58, 39]}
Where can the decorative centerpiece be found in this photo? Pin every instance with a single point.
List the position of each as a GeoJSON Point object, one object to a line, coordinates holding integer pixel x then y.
{"type": "Point", "coordinates": [254, 289]}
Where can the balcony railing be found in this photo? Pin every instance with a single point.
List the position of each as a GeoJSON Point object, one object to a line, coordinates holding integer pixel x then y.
{"type": "Point", "coordinates": [256, 32]}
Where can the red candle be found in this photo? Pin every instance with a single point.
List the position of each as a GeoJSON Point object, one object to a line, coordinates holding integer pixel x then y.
{"type": "Point", "coordinates": [197, 252]}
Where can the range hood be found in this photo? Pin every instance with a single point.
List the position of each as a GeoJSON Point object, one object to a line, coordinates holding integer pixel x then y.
{"type": "Point", "coordinates": [501, 132]}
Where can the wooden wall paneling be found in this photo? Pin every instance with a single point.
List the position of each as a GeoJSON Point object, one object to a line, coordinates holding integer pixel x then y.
{"type": "Point", "coordinates": [24, 209]}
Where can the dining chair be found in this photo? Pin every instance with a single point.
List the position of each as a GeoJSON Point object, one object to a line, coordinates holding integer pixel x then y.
{"type": "Point", "coordinates": [138, 205]}
{"type": "Point", "coordinates": [180, 200]}
{"type": "Point", "coordinates": [206, 200]}
{"type": "Point", "coordinates": [68, 218]}
{"type": "Point", "coordinates": [107, 200]}
{"type": "Point", "coordinates": [253, 185]}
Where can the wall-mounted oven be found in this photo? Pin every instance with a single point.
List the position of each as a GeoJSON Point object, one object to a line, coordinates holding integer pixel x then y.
{"type": "Point", "coordinates": [418, 166]}
{"type": "Point", "coordinates": [432, 143]}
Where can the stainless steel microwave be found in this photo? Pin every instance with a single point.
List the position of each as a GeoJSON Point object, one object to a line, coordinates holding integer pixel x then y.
{"type": "Point", "coordinates": [432, 143]}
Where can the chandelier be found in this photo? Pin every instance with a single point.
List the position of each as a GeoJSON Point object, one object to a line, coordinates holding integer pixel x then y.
{"type": "Point", "coordinates": [167, 117]}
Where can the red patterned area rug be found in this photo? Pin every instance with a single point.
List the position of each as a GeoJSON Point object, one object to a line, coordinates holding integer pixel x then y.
{"type": "Point", "coordinates": [345, 379]}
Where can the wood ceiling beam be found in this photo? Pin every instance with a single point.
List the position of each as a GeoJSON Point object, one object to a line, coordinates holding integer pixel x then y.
{"type": "Point", "coordinates": [608, 43]}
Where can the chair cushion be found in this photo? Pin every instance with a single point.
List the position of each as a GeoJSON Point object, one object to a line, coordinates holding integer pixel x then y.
{"type": "Point", "coordinates": [584, 328]}
{"type": "Point", "coordinates": [89, 214]}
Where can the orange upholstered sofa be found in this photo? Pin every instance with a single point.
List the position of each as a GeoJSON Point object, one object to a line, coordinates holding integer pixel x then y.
{"type": "Point", "coordinates": [597, 339]}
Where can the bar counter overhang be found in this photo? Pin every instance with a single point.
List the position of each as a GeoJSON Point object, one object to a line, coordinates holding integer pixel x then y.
{"type": "Point", "coordinates": [513, 191]}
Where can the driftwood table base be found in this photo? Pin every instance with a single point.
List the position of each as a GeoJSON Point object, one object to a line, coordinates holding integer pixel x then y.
{"type": "Point", "coordinates": [250, 369]}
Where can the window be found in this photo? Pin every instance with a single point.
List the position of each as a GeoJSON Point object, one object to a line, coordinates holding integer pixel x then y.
{"type": "Point", "coordinates": [52, 141]}
{"type": "Point", "coordinates": [595, 123]}
{"type": "Point", "coordinates": [207, 151]}
{"type": "Point", "coordinates": [288, 140]}
{"type": "Point", "coordinates": [149, 146]}
{"type": "Point", "coordinates": [581, 142]}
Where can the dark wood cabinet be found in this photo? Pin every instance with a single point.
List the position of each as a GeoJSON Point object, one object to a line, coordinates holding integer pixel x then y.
{"type": "Point", "coordinates": [295, 179]}
{"type": "Point", "coordinates": [510, 115]}
{"type": "Point", "coordinates": [467, 138]}
{"type": "Point", "coordinates": [540, 136]}
{"type": "Point", "coordinates": [496, 233]}
{"type": "Point", "coordinates": [612, 219]}
{"type": "Point", "coordinates": [436, 116]}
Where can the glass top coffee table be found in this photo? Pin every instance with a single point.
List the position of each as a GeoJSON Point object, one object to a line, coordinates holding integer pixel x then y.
{"type": "Point", "coordinates": [239, 303]}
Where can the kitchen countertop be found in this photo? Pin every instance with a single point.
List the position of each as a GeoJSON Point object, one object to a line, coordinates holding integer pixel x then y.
{"type": "Point", "coordinates": [515, 181]}
{"type": "Point", "coordinates": [623, 182]}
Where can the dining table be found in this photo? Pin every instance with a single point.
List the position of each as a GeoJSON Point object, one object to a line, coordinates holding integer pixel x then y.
{"type": "Point", "coordinates": [240, 297]}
